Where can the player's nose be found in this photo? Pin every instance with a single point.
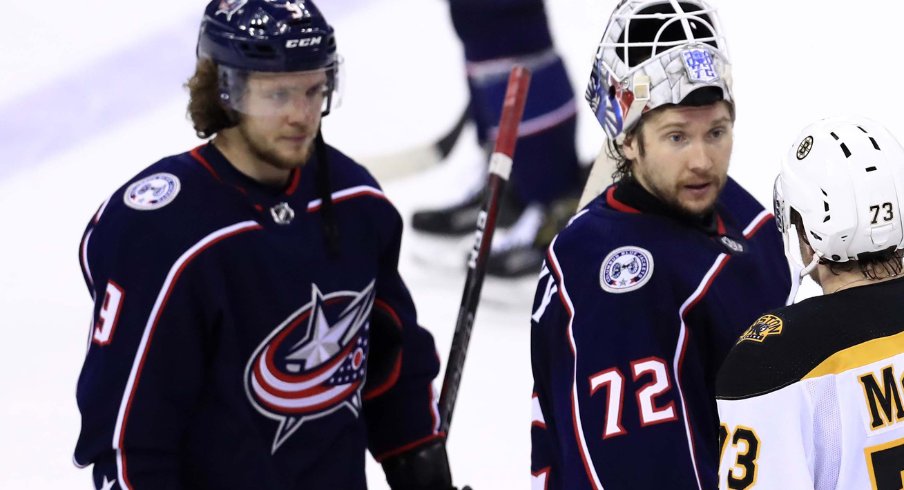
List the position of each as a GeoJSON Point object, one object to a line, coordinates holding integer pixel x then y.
{"type": "Point", "coordinates": [699, 157]}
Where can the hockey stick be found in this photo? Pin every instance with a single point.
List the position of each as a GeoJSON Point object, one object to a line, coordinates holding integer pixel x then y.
{"type": "Point", "coordinates": [500, 168]}
{"type": "Point", "coordinates": [412, 160]}
{"type": "Point", "coordinates": [600, 177]}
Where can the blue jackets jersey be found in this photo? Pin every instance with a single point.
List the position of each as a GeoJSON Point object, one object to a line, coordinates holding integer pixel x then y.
{"type": "Point", "coordinates": [231, 350]}
{"type": "Point", "coordinates": [634, 312]}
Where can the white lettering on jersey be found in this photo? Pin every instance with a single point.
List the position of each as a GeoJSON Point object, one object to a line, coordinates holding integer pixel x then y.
{"type": "Point", "coordinates": [537, 418]}
{"type": "Point", "coordinates": [551, 289]}
{"type": "Point", "coordinates": [108, 484]}
{"type": "Point", "coordinates": [108, 315]}
{"type": "Point", "coordinates": [614, 399]}
{"type": "Point", "coordinates": [538, 480]}
{"type": "Point", "coordinates": [649, 414]}
{"type": "Point", "coordinates": [645, 395]}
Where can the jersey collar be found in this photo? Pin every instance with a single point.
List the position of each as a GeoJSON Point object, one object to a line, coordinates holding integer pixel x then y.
{"type": "Point", "coordinates": [628, 196]}
{"type": "Point", "coordinates": [219, 167]}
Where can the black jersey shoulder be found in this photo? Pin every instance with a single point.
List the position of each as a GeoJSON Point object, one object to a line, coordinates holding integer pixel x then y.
{"type": "Point", "coordinates": [347, 171]}
{"type": "Point", "coordinates": [177, 194]}
{"type": "Point", "coordinates": [738, 205]}
{"type": "Point", "coordinates": [161, 212]}
{"type": "Point", "coordinates": [785, 345]}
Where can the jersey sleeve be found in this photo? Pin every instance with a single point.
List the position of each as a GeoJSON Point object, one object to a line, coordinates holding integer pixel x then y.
{"type": "Point", "coordinates": [766, 441]}
{"type": "Point", "coordinates": [143, 369]}
{"type": "Point", "coordinates": [604, 367]}
{"type": "Point", "coordinates": [400, 403]}
{"type": "Point", "coordinates": [546, 454]}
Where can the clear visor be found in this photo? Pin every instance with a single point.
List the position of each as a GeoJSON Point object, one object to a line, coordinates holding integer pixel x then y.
{"type": "Point", "coordinates": [778, 205]}
{"type": "Point", "coordinates": [267, 94]}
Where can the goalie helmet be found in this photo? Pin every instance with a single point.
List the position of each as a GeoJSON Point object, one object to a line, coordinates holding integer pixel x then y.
{"type": "Point", "coordinates": [655, 52]}
{"type": "Point", "coordinates": [242, 36]}
{"type": "Point", "coordinates": [845, 177]}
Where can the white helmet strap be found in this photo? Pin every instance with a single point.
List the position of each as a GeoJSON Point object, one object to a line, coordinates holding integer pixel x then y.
{"type": "Point", "coordinates": [792, 241]}
{"type": "Point", "coordinates": [809, 268]}
{"type": "Point", "coordinates": [640, 86]}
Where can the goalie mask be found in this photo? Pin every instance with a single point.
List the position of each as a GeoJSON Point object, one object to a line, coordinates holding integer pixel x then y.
{"type": "Point", "coordinates": [845, 177]}
{"type": "Point", "coordinates": [285, 45]}
{"type": "Point", "coordinates": [652, 53]}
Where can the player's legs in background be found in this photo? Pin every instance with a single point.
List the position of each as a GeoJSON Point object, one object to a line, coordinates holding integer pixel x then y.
{"type": "Point", "coordinates": [496, 35]}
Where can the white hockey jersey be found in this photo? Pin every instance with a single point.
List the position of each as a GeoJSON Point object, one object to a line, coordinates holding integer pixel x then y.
{"type": "Point", "coordinates": [811, 395]}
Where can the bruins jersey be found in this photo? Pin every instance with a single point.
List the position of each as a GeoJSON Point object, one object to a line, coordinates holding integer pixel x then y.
{"type": "Point", "coordinates": [812, 395]}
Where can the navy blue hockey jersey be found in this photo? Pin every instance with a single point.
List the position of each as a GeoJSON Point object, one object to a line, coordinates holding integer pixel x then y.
{"type": "Point", "coordinates": [231, 350]}
{"type": "Point", "coordinates": [634, 313]}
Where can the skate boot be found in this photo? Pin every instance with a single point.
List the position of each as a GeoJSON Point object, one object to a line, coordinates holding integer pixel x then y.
{"type": "Point", "coordinates": [519, 251]}
{"type": "Point", "coordinates": [460, 218]}
{"type": "Point", "coordinates": [513, 252]}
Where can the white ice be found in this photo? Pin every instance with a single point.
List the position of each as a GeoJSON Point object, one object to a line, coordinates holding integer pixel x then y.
{"type": "Point", "coordinates": [794, 61]}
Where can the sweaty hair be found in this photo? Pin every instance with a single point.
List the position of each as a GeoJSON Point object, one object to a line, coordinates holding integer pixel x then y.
{"type": "Point", "coordinates": [208, 116]}
{"type": "Point", "coordinates": [698, 98]}
{"type": "Point", "coordinates": [873, 265]}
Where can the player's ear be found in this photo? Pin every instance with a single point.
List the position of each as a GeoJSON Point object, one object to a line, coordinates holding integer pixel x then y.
{"type": "Point", "coordinates": [630, 148]}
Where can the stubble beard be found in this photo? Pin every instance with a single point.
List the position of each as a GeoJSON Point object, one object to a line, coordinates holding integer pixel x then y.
{"type": "Point", "coordinates": [270, 156]}
{"type": "Point", "coordinates": [674, 203]}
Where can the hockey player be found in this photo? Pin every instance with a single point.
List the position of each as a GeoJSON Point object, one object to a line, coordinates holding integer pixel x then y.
{"type": "Point", "coordinates": [497, 35]}
{"type": "Point", "coordinates": [811, 395]}
{"type": "Point", "coordinates": [645, 291]}
{"type": "Point", "coordinates": [251, 329]}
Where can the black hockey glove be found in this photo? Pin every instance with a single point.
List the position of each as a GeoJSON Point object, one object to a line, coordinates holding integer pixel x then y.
{"type": "Point", "coordinates": [422, 468]}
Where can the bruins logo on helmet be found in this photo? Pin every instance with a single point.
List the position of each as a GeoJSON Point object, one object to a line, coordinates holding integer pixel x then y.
{"type": "Point", "coordinates": [765, 326]}
{"type": "Point", "coordinates": [804, 148]}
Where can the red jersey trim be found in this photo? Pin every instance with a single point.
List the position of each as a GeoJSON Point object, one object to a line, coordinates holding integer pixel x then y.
{"type": "Point", "coordinates": [397, 365]}
{"type": "Point", "coordinates": [169, 283]}
{"type": "Point", "coordinates": [407, 447]}
{"type": "Point", "coordinates": [618, 205]}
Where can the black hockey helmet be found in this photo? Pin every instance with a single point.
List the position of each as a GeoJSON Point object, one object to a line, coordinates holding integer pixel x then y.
{"type": "Point", "coordinates": [243, 36]}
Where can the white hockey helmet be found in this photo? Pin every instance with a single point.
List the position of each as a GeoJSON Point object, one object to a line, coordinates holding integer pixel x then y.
{"type": "Point", "coordinates": [845, 177]}
{"type": "Point", "coordinates": [655, 52]}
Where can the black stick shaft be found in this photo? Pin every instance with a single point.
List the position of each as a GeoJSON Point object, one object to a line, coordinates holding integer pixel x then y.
{"type": "Point", "coordinates": [500, 167]}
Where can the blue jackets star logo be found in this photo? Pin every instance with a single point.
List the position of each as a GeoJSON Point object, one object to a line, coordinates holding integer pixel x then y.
{"type": "Point", "coordinates": [314, 362]}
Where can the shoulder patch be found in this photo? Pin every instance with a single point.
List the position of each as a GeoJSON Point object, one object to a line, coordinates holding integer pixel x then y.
{"type": "Point", "coordinates": [763, 327]}
{"type": "Point", "coordinates": [152, 192]}
{"type": "Point", "coordinates": [626, 269]}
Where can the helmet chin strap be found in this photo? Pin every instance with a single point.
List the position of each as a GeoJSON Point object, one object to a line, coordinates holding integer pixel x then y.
{"type": "Point", "coordinates": [809, 268]}
{"type": "Point", "coordinates": [792, 250]}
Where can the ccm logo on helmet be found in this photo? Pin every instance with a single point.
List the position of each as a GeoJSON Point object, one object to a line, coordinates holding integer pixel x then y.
{"type": "Point", "coordinates": [301, 43]}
